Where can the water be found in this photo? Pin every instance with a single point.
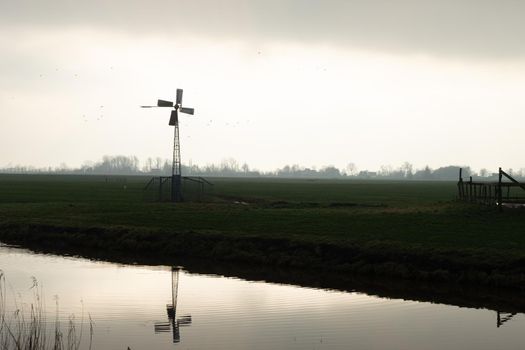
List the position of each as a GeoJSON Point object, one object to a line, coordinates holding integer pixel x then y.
{"type": "Point", "coordinates": [128, 305]}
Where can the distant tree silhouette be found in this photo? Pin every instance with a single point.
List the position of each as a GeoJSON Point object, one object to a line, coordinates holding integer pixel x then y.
{"type": "Point", "coordinates": [424, 174]}
{"type": "Point", "coordinates": [130, 165]}
{"type": "Point", "coordinates": [385, 170]}
{"type": "Point", "coordinates": [407, 170]}
{"type": "Point", "coordinates": [351, 169]}
{"type": "Point", "coordinates": [451, 172]}
{"type": "Point", "coordinates": [483, 172]}
{"type": "Point", "coordinates": [330, 171]}
{"type": "Point", "coordinates": [245, 169]}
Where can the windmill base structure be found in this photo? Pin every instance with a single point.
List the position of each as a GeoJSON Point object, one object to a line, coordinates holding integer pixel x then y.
{"type": "Point", "coordinates": [176, 188]}
{"type": "Point", "coordinates": [176, 170]}
{"type": "Point", "coordinates": [193, 188]}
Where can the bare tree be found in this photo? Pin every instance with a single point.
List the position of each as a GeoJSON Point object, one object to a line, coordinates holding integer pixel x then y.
{"type": "Point", "coordinates": [351, 169]}
{"type": "Point", "coordinates": [407, 170]}
{"type": "Point", "coordinates": [385, 170]}
{"type": "Point", "coordinates": [245, 169]}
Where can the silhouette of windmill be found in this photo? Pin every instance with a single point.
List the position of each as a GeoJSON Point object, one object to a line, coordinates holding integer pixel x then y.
{"type": "Point", "coordinates": [174, 323]}
{"type": "Point", "coordinates": [176, 174]}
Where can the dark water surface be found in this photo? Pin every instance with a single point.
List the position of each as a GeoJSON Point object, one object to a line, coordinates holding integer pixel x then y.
{"type": "Point", "coordinates": [131, 306]}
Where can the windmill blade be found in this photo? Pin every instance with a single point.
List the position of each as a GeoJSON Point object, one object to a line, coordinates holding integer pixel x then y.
{"type": "Point", "coordinates": [179, 96]}
{"type": "Point", "coordinates": [148, 106]}
{"type": "Point", "coordinates": [162, 103]}
{"type": "Point", "coordinates": [187, 110]}
{"type": "Point", "coordinates": [174, 118]}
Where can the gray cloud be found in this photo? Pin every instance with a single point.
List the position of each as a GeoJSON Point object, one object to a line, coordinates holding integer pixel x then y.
{"type": "Point", "coordinates": [478, 28]}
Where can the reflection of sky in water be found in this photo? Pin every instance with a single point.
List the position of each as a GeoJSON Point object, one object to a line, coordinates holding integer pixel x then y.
{"type": "Point", "coordinates": [126, 302]}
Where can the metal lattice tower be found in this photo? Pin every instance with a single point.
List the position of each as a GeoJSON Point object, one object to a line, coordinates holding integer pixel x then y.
{"type": "Point", "coordinates": [176, 172]}
{"type": "Point", "coordinates": [174, 323]}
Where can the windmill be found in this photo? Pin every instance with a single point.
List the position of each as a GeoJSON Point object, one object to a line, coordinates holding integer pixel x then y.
{"type": "Point", "coordinates": [176, 176]}
{"type": "Point", "coordinates": [174, 323]}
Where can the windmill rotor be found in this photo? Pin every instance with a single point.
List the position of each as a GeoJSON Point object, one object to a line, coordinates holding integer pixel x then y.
{"type": "Point", "coordinates": [177, 107]}
{"type": "Point", "coordinates": [179, 96]}
{"type": "Point", "coordinates": [163, 103]}
{"type": "Point", "coordinates": [174, 118]}
{"type": "Point", "coordinates": [186, 110]}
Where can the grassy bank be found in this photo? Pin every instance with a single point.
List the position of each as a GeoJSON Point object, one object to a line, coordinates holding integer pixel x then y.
{"type": "Point", "coordinates": [412, 230]}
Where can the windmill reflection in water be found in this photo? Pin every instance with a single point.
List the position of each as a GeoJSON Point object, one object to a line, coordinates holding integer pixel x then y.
{"type": "Point", "coordinates": [174, 323]}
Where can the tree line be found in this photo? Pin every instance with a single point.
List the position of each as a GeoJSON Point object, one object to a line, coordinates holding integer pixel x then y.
{"type": "Point", "coordinates": [130, 165]}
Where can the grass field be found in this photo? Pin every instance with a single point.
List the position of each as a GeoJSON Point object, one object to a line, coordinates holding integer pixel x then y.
{"type": "Point", "coordinates": [404, 218]}
{"type": "Point", "coordinates": [319, 209]}
{"type": "Point", "coordinates": [73, 188]}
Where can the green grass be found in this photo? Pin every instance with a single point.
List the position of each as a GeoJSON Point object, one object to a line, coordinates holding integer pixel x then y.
{"type": "Point", "coordinates": [412, 213]}
{"type": "Point", "coordinates": [398, 193]}
{"type": "Point", "coordinates": [416, 217]}
{"type": "Point", "coordinates": [73, 189]}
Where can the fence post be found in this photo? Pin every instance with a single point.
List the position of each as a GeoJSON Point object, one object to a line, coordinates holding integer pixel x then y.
{"type": "Point", "coordinates": [460, 185]}
{"type": "Point", "coordinates": [500, 192]}
{"type": "Point", "coordinates": [160, 189]}
{"type": "Point", "coordinates": [470, 196]}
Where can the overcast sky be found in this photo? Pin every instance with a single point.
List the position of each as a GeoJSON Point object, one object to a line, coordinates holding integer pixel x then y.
{"type": "Point", "coordinates": [311, 82]}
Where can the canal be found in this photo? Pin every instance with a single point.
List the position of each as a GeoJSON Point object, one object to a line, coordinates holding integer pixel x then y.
{"type": "Point", "coordinates": [164, 307]}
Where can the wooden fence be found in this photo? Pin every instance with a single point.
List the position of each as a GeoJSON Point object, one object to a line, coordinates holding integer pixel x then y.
{"type": "Point", "coordinates": [497, 193]}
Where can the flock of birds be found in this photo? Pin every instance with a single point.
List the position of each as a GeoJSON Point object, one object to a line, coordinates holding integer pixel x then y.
{"type": "Point", "coordinates": [87, 119]}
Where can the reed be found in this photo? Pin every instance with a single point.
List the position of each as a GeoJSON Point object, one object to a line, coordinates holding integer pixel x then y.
{"type": "Point", "coordinates": [25, 326]}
